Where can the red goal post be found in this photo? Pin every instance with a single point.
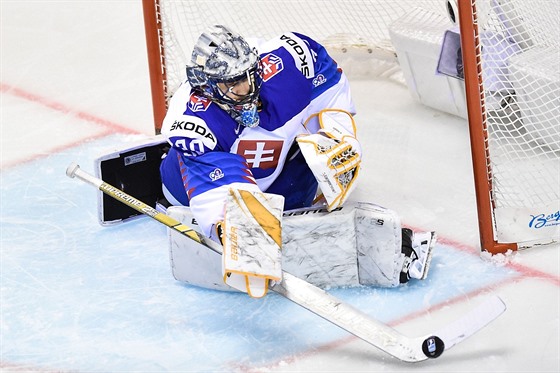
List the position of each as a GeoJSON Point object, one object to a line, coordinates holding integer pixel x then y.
{"type": "Point", "coordinates": [509, 93]}
{"type": "Point", "coordinates": [156, 60]}
{"type": "Point", "coordinates": [511, 57]}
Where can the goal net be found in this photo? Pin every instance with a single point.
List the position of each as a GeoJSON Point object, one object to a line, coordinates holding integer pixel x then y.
{"type": "Point", "coordinates": [514, 113]}
{"type": "Point", "coordinates": [359, 28]}
{"type": "Point", "coordinates": [509, 87]}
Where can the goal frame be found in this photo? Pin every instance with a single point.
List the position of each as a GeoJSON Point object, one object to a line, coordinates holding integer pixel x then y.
{"type": "Point", "coordinates": [475, 104]}
{"type": "Point", "coordinates": [156, 61]}
{"type": "Point", "coordinates": [482, 170]}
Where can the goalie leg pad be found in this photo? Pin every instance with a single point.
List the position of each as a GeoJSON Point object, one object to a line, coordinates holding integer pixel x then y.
{"type": "Point", "coordinates": [379, 243]}
{"type": "Point", "coordinates": [320, 247]}
{"type": "Point", "coordinates": [252, 240]}
{"type": "Point", "coordinates": [357, 244]}
{"type": "Point", "coordinates": [192, 262]}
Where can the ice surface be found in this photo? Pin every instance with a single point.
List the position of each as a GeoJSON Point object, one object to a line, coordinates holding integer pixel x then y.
{"type": "Point", "coordinates": [75, 296]}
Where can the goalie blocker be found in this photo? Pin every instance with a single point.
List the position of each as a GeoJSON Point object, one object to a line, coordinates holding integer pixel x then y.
{"type": "Point", "coordinates": [358, 243]}
{"type": "Point", "coordinates": [134, 169]}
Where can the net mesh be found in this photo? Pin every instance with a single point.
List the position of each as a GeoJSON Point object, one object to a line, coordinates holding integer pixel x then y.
{"type": "Point", "coordinates": [521, 82]}
{"type": "Point", "coordinates": [339, 25]}
{"type": "Point", "coordinates": [519, 64]}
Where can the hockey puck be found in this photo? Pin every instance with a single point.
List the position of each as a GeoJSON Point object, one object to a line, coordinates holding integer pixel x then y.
{"type": "Point", "coordinates": [433, 347]}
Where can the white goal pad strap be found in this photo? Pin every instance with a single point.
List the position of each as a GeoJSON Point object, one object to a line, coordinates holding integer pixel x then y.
{"type": "Point", "coordinates": [252, 241]}
{"type": "Point", "coordinates": [333, 154]}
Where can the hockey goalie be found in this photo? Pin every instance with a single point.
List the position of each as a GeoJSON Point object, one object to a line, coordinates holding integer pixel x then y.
{"type": "Point", "coordinates": [262, 156]}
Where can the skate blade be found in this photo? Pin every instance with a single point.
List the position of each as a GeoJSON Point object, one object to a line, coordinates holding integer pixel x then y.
{"type": "Point", "coordinates": [433, 239]}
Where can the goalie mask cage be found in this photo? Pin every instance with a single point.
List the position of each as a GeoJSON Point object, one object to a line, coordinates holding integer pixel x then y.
{"type": "Point", "coordinates": [511, 61]}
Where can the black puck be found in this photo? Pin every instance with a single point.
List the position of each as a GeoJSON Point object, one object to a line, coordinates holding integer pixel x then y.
{"type": "Point", "coordinates": [433, 347]}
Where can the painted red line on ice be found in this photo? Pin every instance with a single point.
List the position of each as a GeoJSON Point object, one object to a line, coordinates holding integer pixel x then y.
{"type": "Point", "coordinates": [56, 149]}
{"type": "Point", "coordinates": [490, 288]}
{"type": "Point", "coordinates": [13, 367]}
{"type": "Point", "coordinates": [522, 273]}
{"type": "Point", "coordinates": [110, 127]}
{"type": "Point", "coordinates": [403, 319]}
{"type": "Point", "coordinates": [524, 270]}
{"type": "Point", "coordinates": [60, 107]}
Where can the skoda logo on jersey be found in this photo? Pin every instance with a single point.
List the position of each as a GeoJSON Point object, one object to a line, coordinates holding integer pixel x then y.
{"type": "Point", "coordinates": [271, 65]}
{"type": "Point", "coordinates": [197, 103]}
{"type": "Point", "coordinates": [301, 53]}
{"type": "Point", "coordinates": [216, 174]}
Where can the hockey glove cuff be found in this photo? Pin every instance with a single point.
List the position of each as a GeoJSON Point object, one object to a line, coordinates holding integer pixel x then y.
{"type": "Point", "coordinates": [334, 155]}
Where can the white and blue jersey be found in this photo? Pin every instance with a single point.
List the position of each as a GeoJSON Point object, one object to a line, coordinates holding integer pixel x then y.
{"type": "Point", "coordinates": [211, 152]}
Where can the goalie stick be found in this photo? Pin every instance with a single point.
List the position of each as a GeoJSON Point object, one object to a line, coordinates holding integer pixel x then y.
{"type": "Point", "coordinates": [318, 301]}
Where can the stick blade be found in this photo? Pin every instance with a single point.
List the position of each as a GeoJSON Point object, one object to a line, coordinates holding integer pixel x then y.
{"type": "Point", "coordinates": [472, 322]}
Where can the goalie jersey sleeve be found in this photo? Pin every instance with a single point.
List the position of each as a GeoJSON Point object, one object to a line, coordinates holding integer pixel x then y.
{"type": "Point", "coordinates": [211, 151]}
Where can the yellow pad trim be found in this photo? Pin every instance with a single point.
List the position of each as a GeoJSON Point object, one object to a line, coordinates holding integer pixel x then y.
{"type": "Point", "coordinates": [250, 279]}
{"type": "Point", "coordinates": [263, 216]}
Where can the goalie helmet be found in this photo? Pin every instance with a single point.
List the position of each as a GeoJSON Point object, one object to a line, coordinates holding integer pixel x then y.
{"type": "Point", "coordinates": [223, 56]}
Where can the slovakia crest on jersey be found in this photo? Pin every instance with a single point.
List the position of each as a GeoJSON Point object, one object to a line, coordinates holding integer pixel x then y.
{"type": "Point", "coordinates": [271, 65]}
{"type": "Point", "coordinates": [198, 103]}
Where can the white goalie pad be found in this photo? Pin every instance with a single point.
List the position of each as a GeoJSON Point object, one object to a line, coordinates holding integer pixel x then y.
{"type": "Point", "coordinates": [333, 154]}
{"type": "Point", "coordinates": [357, 244]}
{"type": "Point", "coordinates": [252, 241]}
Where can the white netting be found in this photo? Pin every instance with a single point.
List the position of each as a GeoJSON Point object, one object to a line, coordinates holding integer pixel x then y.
{"type": "Point", "coordinates": [521, 71]}
{"type": "Point", "coordinates": [341, 25]}
{"type": "Point", "coordinates": [521, 83]}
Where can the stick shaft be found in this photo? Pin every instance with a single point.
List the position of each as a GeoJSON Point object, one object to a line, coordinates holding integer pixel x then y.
{"type": "Point", "coordinates": [296, 290]}
{"type": "Point", "coordinates": [320, 302]}
{"type": "Point", "coordinates": [75, 171]}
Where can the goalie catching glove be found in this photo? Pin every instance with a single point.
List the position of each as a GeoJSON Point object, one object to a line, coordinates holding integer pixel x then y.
{"type": "Point", "coordinates": [333, 154]}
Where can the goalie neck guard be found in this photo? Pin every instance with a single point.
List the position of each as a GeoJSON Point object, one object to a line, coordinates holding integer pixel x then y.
{"type": "Point", "coordinates": [220, 61]}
